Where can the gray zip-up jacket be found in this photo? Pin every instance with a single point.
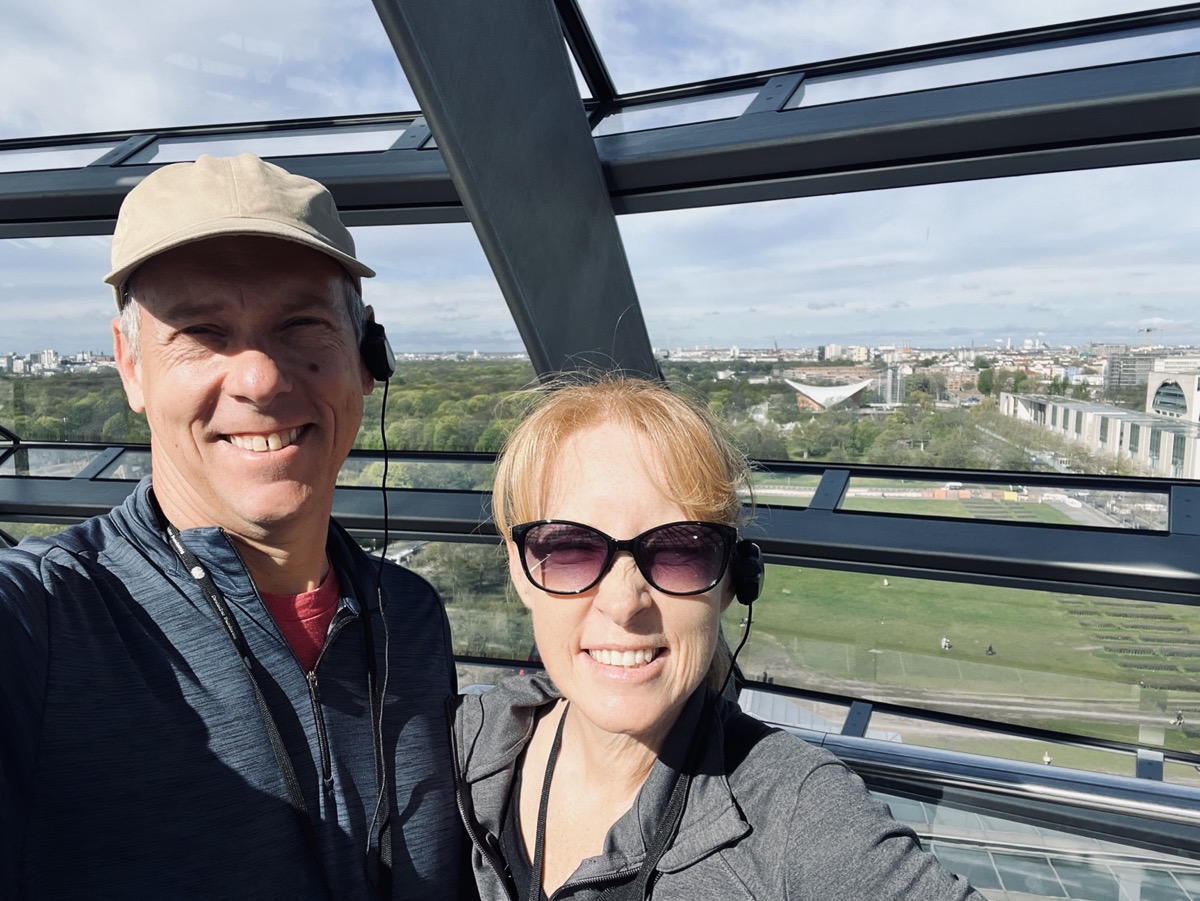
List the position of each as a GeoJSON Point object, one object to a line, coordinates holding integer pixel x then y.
{"type": "Point", "coordinates": [134, 760]}
{"type": "Point", "coordinates": [789, 821]}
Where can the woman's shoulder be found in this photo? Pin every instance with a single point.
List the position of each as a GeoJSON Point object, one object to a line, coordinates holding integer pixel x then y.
{"type": "Point", "coordinates": [755, 750]}
{"type": "Point", "coordinates": [524, 689]}
{"type": "Point", "coordinates": [492, 723]}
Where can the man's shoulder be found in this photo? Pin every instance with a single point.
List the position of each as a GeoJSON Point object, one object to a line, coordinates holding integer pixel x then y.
{"type": "Point", "coordinates": [85, 540]}
{"type": "Point", "coordinates": [54, 566]}
{"type": "Point", "coordinates": [35, 554]}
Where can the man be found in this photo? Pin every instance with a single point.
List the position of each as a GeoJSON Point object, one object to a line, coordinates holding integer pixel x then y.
{"type": "Point", "coordinates": [200, 695]}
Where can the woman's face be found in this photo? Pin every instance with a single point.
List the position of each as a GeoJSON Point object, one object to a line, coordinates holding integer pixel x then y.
{"type": "Point", "coordinates": [606, 477]}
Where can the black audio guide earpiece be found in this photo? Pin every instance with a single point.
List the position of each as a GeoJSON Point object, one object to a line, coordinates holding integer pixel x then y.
{"type": "Point", "coordinates": [377, 352]}
{"type": "Point", "coordinates": [748, 572]}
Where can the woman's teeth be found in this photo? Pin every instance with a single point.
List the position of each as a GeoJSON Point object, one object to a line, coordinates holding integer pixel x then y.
{"type": "Point", "coordinates": [272, 442]}
{"type": "Point", "coordinates": [640, 657]}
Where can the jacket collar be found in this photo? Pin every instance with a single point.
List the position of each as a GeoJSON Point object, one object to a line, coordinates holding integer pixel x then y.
{"type": "Point", "coordinates": [499, 728]}
{"type": "Point", "coordinates": [140, 518]}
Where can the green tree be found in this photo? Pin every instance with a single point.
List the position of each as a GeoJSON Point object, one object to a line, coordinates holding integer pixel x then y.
{"type": "Point", "coordinates": [986, 381]}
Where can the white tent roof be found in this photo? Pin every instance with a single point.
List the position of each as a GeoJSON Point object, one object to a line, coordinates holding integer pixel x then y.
{"type": "Point", "coordinates": [829, 395]}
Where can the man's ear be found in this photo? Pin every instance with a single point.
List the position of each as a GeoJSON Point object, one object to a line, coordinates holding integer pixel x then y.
{"type": "Point", "coordinates": [129, 367]}
{"type": "Point", "coordinates": [368, 380]}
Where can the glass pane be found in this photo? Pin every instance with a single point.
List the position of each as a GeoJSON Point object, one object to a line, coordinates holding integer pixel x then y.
{"type": "Point", "coordinates": [52, 298]}
{"type": "Point", "coordinates": [487, 619]}
{"type": "Point", "coordinates": [78, 67]}
{"type": "Point", "coordinates": [58, 463]}
{"type": "Point", "coordinates": [1051, 58]}
{"type": "Point", "coordinates": [1009, 503]}
{"type": "Point", "coordinates": [402, 473]}
{"type": "Point", "coordinates": [295, 143]}
{"type": "Point", "coordinates": [434, 405]}
{"type": "Point", "coordinates": [662, 115]}
{"type": "Point", "coordinates": [131, 465]}
{"type": "Point", "coordinates": [12, 532]}
{"type": "Point", "coordinates": [59, 158]}
{"type": "Point", "coordinates": [1066, 864]}
{"type": "Point", "coordinates": [58, 400]}
{"type": "Point", "coordinates": [650, 45]}
{"type": "Point", "coordinates": [889, 327]}
{"type": "Point", "coordinates": [1113, 669]}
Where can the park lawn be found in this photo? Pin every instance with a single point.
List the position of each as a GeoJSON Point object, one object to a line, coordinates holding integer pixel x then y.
{"type": "Point", "coordinates": [1030, 631]}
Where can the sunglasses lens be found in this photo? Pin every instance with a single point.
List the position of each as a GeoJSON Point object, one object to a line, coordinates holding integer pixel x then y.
{"type": "Point", "coordinates": [684, 558]}
{"type": "Point", "coordinates": [564, 558]}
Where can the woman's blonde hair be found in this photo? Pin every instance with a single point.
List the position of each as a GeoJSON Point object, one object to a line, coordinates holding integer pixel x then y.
{"type": "Point", "coordinates": [703, 472]}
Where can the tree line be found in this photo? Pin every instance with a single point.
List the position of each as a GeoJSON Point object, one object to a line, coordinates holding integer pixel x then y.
{"type": "Point", "coordinates": [470, 406]}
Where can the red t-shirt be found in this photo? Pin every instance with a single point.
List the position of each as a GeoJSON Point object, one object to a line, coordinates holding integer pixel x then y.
{"type": "Point", "coordinates": [304, 618]}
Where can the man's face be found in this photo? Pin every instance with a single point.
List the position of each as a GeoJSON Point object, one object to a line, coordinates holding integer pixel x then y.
{"type": "Point", "coordinates": [250, 376]}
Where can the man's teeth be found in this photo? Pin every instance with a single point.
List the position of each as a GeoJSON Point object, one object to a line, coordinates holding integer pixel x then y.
{"type": "Point", "coordinates": [623, 658]}
{"type": "Point", "coordinates": [274, 441]}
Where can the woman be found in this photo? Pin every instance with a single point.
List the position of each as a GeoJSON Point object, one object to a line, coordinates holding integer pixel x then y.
{"type": "Point", "coordinates": [621, 771]}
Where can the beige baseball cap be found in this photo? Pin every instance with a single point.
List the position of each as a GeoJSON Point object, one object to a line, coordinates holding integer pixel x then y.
{"type": "Point", "coordinates": [217, 196]}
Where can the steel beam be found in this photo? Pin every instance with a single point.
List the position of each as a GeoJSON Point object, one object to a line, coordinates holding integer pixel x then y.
{"type": "Point", "coordinates": [495, 84]}
{"type": "Point", "coordinates": [1127, 114]}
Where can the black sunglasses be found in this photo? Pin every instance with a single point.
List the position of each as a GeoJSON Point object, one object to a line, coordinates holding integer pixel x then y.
{"type": "Point", "coordinates": [678, 558]}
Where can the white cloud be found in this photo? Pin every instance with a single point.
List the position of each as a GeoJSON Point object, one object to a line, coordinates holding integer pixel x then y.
{"type": "Point", "coordinates": [649, 45]}
{"type": "Point", "coordinates": [1060, 253]}
{"type": "Point", "coordinates": [74, 66]}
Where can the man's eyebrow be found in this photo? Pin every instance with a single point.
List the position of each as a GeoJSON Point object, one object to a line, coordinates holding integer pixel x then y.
{"type": "Point", "coordinates": [191, 309]}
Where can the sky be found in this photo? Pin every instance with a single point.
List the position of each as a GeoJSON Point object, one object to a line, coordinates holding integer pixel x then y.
{"type": "Point", "coordinates": [1065, 259]}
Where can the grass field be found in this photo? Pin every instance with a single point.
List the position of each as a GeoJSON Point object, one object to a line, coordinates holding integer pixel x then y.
{"type": "Point", "coordinates": [1090, 666]}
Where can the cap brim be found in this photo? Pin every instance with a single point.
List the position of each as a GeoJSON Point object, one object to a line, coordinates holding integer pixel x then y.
{"type": "Point", "coordinates": [227, 227]}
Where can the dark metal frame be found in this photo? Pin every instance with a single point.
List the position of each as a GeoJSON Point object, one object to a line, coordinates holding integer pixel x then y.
{"type": "Point", "coordinates": [1147, 565]}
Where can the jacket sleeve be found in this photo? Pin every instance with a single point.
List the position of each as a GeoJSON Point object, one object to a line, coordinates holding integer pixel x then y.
{"type": "Point", "coordinates": [24, 650]}
{"type": "Point", "coordinates": [845, 844]}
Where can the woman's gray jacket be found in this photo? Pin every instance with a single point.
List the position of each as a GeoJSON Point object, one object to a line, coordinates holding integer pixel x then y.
{"type": "Point", "coordinates": [789, 820]}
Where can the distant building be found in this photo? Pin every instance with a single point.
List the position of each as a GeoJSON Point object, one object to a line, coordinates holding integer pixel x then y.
{"type": "Point", "coordinates": [1157, 444]}
{"type": "Point", "coordinates": [1173, 388]}
{"type": "Point", "coordinates": [1127, 371]}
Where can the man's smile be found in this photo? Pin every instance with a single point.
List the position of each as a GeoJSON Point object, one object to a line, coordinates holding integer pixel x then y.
{"type": "Point", "coordinates": [259, 442]}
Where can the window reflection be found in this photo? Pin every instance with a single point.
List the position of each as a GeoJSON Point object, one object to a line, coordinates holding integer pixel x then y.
{"type": "Point", "coordinates": [1055, 57]}
{"type": "Point", "coordinates": [663, 115]}
{"type": "Point", "coordinates": [292, 143]}
{"type": "Point", "coordinates": [56, 158]}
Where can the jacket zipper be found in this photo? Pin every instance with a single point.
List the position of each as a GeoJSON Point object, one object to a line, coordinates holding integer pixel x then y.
{"type": "Point", "coordinates": [592, 880]}
{"type": "Point", "coordinates": [460, 790]}
{"type": "Point", "coordinates": [314, 695]}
